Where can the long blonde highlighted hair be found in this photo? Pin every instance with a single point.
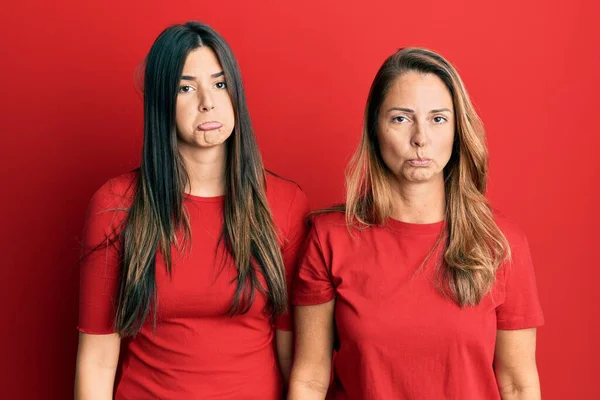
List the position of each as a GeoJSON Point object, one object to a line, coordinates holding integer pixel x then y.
{"type": "Point", "coordinates": [474, 246]}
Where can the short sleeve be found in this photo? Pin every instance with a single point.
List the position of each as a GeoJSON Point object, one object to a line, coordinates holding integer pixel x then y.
{"type": "Point", "coordinates": [313, 283]}
{"type": "Point", "coordinates": [521, 308]}
{"type": "Point", "coordinates": [100, 263]}
{"type": "Point", "coordinates": [297, 229]}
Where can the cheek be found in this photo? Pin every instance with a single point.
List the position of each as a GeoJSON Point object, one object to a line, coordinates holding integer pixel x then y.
{"type": "Point", "coordinates": [229, 116]}
{"type": "Point", "coordinates": [391, 148]}
{"type": "Point", "coordinates": [445, 146]}
{"type": "Point", "coordinates": [449, 143]}
{"type": "Point", "coordinates": [390, 142]}
{"type": "Point", "coordinates": [184, 116]}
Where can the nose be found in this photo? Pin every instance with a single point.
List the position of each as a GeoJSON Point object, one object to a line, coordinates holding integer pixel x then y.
{"type": "Point", "coordinates": [419, 136]}
{"type": "Point", "coordinates": [205, 101]}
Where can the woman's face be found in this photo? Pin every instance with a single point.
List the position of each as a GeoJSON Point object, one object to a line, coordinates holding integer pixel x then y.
{"type": "Point", "coordinates": [204, 112]}
{"type": "Point", "coordinates": [415, 128]}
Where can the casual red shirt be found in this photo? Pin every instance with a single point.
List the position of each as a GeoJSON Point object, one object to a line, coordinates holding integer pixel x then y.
{"type": "Point", "coordinates": [397, 336]}
{"type": "Point", "coordinates": [196, 351]}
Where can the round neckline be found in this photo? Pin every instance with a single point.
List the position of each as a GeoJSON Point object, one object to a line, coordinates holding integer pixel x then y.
{"type": "Point", "coordinates": [434, 228]}
{"type": "Point", "coordinates": [201, 199]}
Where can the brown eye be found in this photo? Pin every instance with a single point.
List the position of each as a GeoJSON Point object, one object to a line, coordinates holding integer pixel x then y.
{"type": "Point", "coordinates": [221, 85]}
{"type": "Point", "coordinates": [399, 119]}
{"type": "Point", "coordinates": [185, 89]}
{"type": "Point", "coordinates": [439, 120]}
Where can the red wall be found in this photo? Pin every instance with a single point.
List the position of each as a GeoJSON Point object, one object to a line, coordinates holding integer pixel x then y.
{"type": "Point", "coordinates": [71, 119]}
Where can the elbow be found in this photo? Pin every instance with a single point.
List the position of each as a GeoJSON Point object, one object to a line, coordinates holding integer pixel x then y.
{"type": "Point", "coordinates": [513, 389]}
{"type": "Point", "coordinates": [520, 392]}
{"type": "Point", "coordinates": [309, 382]}
{"type": "Point", "coordinates": [522, 386]}
{"type": "Point", "coordinates": [311, 385]}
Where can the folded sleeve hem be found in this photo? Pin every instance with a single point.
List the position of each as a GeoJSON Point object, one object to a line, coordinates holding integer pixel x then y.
{"type": "Point", "coordinates": [283, 323]}
{"type": "Point", "coordinates": [282, 327]}
{"type": "Point", "coordinates": [312, 299]}
{"type": "Point", "coordinates": [521, 323]}
{"type": "Point", "coordinates": [96, 331]}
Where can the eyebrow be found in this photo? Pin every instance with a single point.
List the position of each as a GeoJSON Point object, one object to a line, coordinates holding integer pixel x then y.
{"type": "Point", "coordinates": [411, 111]}
{"type": "Point", "coordinates": [193, 78]}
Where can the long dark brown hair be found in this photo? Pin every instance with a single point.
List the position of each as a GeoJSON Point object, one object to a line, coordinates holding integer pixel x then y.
{"type": "Point", "coordinates": [474, 245]}
{"type": "Point", "coordinates": [157, 213]}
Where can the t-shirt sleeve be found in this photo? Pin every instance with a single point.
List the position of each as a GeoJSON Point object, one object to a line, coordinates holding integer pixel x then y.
{"type": "Point", "coordinates": [521, 308]}
{"type": "Point", "coordinates": [100, 264]}
{"type": "Point", "coordinates": [297, 230]}
{"type": "Point", "coordinates": [313, 283]}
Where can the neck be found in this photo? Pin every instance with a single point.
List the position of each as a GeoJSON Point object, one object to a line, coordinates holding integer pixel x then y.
{"type": "Point", "coordinates": [205, 169]}
{"type": "Point", "coordinates": [419, 203]}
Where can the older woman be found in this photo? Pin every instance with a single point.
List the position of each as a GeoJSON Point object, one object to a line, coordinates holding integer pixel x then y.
{"type": "Point", "coordinates": [422, 289]}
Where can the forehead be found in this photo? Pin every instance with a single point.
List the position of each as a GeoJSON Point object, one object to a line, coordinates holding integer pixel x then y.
{"type": "Point", "coordinates": [415, 88]}
{"type": "Point", "coordinates": [202, 60]}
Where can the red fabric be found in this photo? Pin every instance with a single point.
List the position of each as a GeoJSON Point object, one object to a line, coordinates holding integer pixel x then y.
{"type": "Point", "coordinates": [196, 351]}
{"type": "Point", "coordinates": [397, 336]}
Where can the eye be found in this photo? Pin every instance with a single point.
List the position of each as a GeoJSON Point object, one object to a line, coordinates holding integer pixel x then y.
{"type": "Point", "coordinates": [439, 119]}
{"type": "Point", "coordinates": [399, 119]}
{"type": "Point", "coordinates": [221, 85]}
{"type": "Point", "coordinates": [186, 89]}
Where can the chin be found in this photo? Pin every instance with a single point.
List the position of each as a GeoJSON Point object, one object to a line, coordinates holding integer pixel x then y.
{"type": "Point", "coordinates": [208, 145]}
{"type": "Point", "coordinates": [419, 177]}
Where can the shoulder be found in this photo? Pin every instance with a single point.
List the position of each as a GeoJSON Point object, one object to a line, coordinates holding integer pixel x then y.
{"type": "Point", "coordinates": [327, 220]}
{"type": "Point", "coordinates": [288, 204]}
{"type": "Point", "coordinates": [329, 223]}
{"type": "Point", "coordinates": [284, 196]}
{"type": "Point", "coordinates": [281, 190]}
{"type": "Point", "coordinates": [511, 230]}
{"type": "Point", "coordinates": [108, 208]}
{"type": "Point", "coordinates": [520, 255]}
{"type": "Point", "coordinates": [116, 193]}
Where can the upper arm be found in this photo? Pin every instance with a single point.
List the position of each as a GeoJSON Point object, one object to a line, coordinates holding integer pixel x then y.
{"type": "Point", "coordinates": [100, 263]}
{"type": "Point", "coordinates": [99, 350]}
{"type": "Point", "coordinates": [284, 343]}
{"type": "Point", "coordinates": [514, 361]}
{"type": "Point", "coordinates": [97, 360]}
{"type": "Point", "coordinates": [314, 337]}
{"type": "Point", "coordinates": [293, 241]}
{"type": "Point", "coordinates": [518, 315]}
{"type": "Point", "coordinates": [314, 334]}
{"type": "Point", "coordinates": [314, 297]}
{"type": "Point", "coordinates": [520, 308]}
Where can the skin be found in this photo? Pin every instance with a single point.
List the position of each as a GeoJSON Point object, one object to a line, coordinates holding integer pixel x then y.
{"type": "Point", "coordinates": [97, 360]}
{"type": "Point", "coordinates": [202, 97]}
{"type": "Point", "coordinates": [416, 122]}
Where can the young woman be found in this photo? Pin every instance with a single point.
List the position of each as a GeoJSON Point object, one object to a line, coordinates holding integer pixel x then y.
{"type": "Point", "coordinates": [186, 259]}
{"type": "Point", "coordinates": [423, 291]}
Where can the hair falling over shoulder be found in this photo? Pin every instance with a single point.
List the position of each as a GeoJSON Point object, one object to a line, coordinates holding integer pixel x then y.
{"type": "Point", "coordinates": [474, 246]}
{"type": "Point", "coordinates": [157, 217]}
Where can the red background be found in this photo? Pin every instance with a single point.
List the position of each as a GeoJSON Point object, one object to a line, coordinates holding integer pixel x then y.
{"type": "Point", "coordinates": [71, 118]}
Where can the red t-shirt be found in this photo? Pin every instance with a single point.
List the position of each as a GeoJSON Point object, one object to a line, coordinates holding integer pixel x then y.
{"type": "Point", "coordinates": [397, 336]}
{"type": "Point", "coordinates": [196, 351]}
